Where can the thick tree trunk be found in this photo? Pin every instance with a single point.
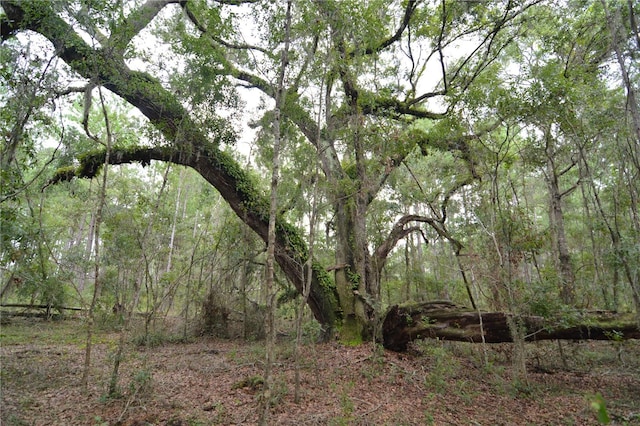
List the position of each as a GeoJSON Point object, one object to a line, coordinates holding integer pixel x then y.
{"type": "Point", "coordinates": [356, 282]}
{"type": "Point", "coordinates": [447, 321]}
{"type": "Point", "coordinates": [345, 272]}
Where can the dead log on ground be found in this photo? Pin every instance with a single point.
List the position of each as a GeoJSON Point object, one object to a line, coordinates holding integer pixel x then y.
{"type": "Point", "coordinates": [447, 321]}
{"type": "Point", "coordinates": [32, 306]}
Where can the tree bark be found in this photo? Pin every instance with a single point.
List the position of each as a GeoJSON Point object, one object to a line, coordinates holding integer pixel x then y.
{"type": "Point", "coordinates": [556, 220]}
{"type": "Point", "coordinates": [447, 321]}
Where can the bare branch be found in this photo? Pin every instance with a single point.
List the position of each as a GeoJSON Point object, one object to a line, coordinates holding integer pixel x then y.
{"type": "Point", "coordinates": [571, 189]}
{"type": "Point", "coordinates": [399, 231]}
{"type": "Point", "coordinates": [390, 164]}
{"type": "Point", "coordinates": [427, 95]}
{"type": "Point", "coordinates": [440, 37]}
{"type": "Point", "coordinates": [136, 22]}
{"type": "Point", "coordinates": [310, 54]}
{"type": "Point", "coordinates": [450, 193]}
{"type": "Point", "coordinates": [408, 13]}
{"type": "Point", "coordinates": [204, 30]}
{"type": "Point", "coordinates": [490, 54]}
{"type": "Point", "coordinates": [568, 168]}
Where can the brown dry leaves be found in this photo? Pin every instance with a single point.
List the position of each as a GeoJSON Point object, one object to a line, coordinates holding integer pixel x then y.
{"type": "Point", "coordinates": [216, 382]}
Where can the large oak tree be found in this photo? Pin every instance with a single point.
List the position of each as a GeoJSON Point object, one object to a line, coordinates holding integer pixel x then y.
{"type": "Point", "coordinates": [385, 76]}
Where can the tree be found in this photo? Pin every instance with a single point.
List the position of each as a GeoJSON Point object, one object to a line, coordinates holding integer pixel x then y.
{"type": "Point", "coordinates": [190, 146]}
{"type": "Point", "coordinates": [270, 325]}
{"type": "Point", "coordinates": [107, 143]}
{"type": "Point", "coordinates": [378, 111]}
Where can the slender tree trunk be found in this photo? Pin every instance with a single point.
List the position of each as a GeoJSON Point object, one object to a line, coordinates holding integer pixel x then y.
{"type": "Point", "coordinates": [308, 272]}
{"type": "Point", "coordinates": [502, 235]}
{"type": "Point", "coordinates": [117, 359]}
{"type": "Point", "coordinates": [408, 276]}
{"type": "Point", "coordinates": [614, 21]}
{"type": "Point", "coordinates": [595, 252]}
{"type": "Point", "coordinates": [308, 268]}
{"type": "Point", "coordinates": [175, 220]}
{"type": "Point", "coordinates": [96, 241]}
{"type": "Point", "coordinates": [556, 220]}
{"type": "Point", "coordinates": [633, 24]}
{"type": "Point", "coordinates": [76, 241]}
{"type": "Point", "coordinates": [8, 282]}
{"type": "Point", "coordinates": [419, 261]}
{"type": "Point", "coordinates": [188, 288]}
{"type": "Point", "coordinates": [244, 283]}
{"type": "Point", "coordinates": [192, 264]}
{"type": "Point", "coordinates": [271, 235]}
{"type": "Point", "coordinates": [616, 242]}
{"type": "Point", "coordinates": [88, 248]}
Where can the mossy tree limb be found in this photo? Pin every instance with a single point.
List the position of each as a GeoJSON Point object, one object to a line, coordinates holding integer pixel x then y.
{"type": "Point", "coordinates": [189, 145]}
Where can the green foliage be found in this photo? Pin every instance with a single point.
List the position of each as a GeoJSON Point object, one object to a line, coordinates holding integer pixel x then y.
{"type": "Point", "coordinates": [63, 332]}
{"type": "Point", "coordinates": [536, 102]}
{"type": "Point", "coordinates": [542, 299]}
{"type": "Point", "coordinates": [442, 366]}
{"type": "Point", "coordinates": [159, 338]}
{"type": "Point", "coordinates": [599, 406]}
{"type": "Point", "coordinates": [141, 384]}
{"type": "Point", "coordinates": [98, 421]}
{"type": "Point", "coordinates": [347, 406]}
{"type": "Point", "coordinates": [254, 383]}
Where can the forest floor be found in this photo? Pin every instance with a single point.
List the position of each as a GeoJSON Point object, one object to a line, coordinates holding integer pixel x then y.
{"type": "Point", "coordinates": [214, 381]}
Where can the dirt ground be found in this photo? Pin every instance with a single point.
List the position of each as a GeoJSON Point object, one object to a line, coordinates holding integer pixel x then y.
{"type": "Point", "coordinates": [211, 381]}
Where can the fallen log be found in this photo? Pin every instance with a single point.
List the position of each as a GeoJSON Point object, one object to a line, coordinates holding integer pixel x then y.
{"type": "Point", "coordinates": [32, 306]}
{"type": "Point", "coordinates": [448, 321]}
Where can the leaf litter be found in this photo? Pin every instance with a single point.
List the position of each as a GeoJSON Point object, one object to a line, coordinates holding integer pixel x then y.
{"type": "Point", "coordinates": [213, 381]}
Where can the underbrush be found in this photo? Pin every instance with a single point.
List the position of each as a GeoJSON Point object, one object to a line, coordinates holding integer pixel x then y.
{"type": "Point", "coordinates": [159, 338]}
{"type": "Point", "coordinates": [167, 377]}
{"type": "Point", "coordinates": [71, 331]}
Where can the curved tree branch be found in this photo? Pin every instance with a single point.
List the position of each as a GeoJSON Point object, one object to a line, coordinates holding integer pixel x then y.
{"type": "Point", "coordinates": [408, 13]}
{"type": "Point", "coordinates": [189, 145]}
{"type": "Point", "coordinates": [399, 231]}
{"type": "Point", "coordinates": [203, 29]}
{"type": "Point", "coordinates": [392, 107]}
